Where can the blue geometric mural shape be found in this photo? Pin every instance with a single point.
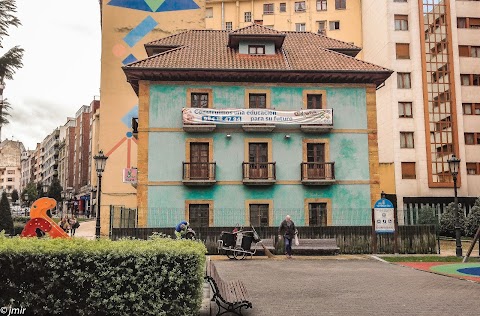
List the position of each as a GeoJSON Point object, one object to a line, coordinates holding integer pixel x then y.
{"type": "Point", "coordinates": [168, 5]}
{"type": "Point", "coordinates": [127, 118]}
{"type": "Point", "coordinates": [130, 59]}
{"type": "Point", "coordinates": [131, 4]}
{"type": "Point", "coordinates": [142, 29]}
{"type": "Point", "coordinates": [176, 5]}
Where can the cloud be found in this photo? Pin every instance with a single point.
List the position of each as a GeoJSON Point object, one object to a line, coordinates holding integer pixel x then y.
{"type": "Point", "coordinates": [61, 69]}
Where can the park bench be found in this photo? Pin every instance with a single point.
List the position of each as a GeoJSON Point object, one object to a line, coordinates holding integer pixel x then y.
{"type": "Point", "coordinates": [316, 246]}
{"type": "Point", "coordinates": [230, 297]}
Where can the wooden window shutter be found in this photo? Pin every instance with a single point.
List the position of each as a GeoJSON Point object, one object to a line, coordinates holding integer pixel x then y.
{"type": "Point", "coordinates": [408, 170]}
{"type": "Point", "coordinates": [463, 51]}
{"type": "Point", "coordinates": [403, 50]}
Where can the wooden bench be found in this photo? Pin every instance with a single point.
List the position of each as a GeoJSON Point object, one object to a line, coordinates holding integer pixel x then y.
{"type": "Point", "coordinates": [269, 244]}
{"type": "Point", "coordinates": [230, 297]}
{"type": "Point", "coordinates": [317, 246]}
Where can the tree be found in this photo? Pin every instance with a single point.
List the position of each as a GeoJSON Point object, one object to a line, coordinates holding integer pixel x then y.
{"type": "Point", "coordinates": [4, 107]}
{"type": "Point", "coordinates": [447, 221]}
{"type": "Point", "coordinates": [40, 193]}
{"type": "Point", "coordinates": [6, 221]}
{"type": "Point", "coordinates": [31, 191]}
{"type": "Point", "coordinates": [473, 219]}
{"type": "Point", "coordinates": [11, 61]}
{"type": "Point", "coordinates": [55, 190]}
{"type": "Point", "coordinates": [15, 196]}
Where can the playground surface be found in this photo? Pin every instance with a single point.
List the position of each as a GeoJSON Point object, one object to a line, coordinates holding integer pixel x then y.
{"type": "Point", "coordinates": [466, 271]}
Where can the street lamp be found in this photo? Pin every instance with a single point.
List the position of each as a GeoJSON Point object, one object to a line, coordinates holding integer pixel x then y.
{"type": "Point", "coordinates": [453, 164]}
{"type": "Point", "coordinates": [100, 161]}
{"type": "Point", "coordinates": [45, 189]}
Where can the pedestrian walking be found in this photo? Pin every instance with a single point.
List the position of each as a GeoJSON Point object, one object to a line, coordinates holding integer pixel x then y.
{"type": "Point", "coordinates": [64, 224]}
{"type": "Point", "coordinates": [74, 224]}
{"type": "Point", "coordinates": [287, 227]}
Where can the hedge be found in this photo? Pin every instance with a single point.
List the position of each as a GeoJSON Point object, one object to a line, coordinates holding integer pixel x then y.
{"type": "Point", "coordinates": [160, 276]}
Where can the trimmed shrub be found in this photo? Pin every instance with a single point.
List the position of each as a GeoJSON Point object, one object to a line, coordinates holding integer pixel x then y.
{"type": "Point", "coordinates": [6, 221]}
{"type": "Point", "coordinates": [160, 276]}
{"type": "Point", "coordinates": [447, 221]}
{"type": "Point", "coordinates": [426, 216]}
{"type": "Point", "coordinates": [473, 220]}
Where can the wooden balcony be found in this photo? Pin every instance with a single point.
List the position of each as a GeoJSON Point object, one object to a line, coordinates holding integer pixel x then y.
{"type": "Point", "coordinates": [259, 173]}
{"type": "Point", "coordinates": [318, 173]}
{"type": "Point", "coordinates": [199, 173]}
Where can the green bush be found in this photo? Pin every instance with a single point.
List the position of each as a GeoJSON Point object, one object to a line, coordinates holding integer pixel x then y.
{"type": "Point", "coordinates": [447, 221]}
{"type": "Point", "coordinates": [473, 219]}
{"type": "Point", "coordinates": [6, 221]}
{"type": "Point", "coordinates": [160, 276]}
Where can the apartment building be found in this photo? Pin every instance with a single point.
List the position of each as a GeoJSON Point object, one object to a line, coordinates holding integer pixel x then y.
{"type": "Point", "coordinates": [339, 19]}
{"type": "Point", "coordinates": [10, 166]}
{"type": "Point", "coordinates": [230, 132]}
{"type": "Point", "coordinates": [126, 27]}
{"type": "Point", "coordinates": [429, 109]}
{"type": "Point", "coordinates": [50, 157]}
{"type": "Point", "coordinates": [26, 169]}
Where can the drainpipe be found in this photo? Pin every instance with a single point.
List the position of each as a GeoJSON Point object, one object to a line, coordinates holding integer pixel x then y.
{"type": "Point", "coordinates": [223, 16]}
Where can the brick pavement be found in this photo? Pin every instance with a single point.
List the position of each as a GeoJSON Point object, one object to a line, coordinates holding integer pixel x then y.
{"type": "Point", "coordinates": [309, 286]}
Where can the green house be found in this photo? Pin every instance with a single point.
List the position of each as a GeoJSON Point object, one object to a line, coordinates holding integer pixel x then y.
{"type": "Point", "coordinates": [245, 127]}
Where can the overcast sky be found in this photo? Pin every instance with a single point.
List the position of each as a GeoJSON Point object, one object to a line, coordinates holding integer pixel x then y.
{"type": "Point", "coordinates": [61, 66]}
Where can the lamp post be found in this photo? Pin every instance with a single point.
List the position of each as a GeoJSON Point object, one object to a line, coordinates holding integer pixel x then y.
{"type": "Point", "coordinates": [453, 164]}
{"type": "Point", "coordinates": [92, 198]}
{"type": "Point", "coordinates": [26, 201]}
{"type": "Point", "coordinates": [100, 161]}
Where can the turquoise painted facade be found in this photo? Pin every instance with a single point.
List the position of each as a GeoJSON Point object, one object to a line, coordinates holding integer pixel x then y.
{"type": "Point", "coordinates": [348, 148]}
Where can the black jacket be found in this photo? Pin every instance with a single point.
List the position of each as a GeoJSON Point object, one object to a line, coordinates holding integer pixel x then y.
{"type": "Point", "coordinates": [288, 229]}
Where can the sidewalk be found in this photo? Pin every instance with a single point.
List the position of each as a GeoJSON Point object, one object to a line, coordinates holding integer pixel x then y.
{"type": "Point", "coordinates": [86, 229]}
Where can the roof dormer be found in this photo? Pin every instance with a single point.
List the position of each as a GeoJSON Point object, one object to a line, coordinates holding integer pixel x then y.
{"type": "Point", "coordinates": [256, 40]}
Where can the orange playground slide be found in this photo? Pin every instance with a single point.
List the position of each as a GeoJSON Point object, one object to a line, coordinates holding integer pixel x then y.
{"type": "Point", "coordinates": [40, 220]}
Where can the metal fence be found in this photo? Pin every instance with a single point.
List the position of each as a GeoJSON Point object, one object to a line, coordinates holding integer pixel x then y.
{"type": "Point", "coordinates": [225, 217]}
{"type": "Point", "coordinates": [122, 217]}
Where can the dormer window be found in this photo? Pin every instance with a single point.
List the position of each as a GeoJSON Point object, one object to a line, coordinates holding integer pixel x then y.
{"type": "Point", "coordinates": [256, 49]}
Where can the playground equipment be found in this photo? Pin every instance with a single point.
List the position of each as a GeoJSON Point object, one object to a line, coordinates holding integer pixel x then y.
{"type": "Point", "coordinates": [40, 223]}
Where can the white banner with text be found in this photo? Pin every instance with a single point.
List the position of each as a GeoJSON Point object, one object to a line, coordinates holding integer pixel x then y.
{"type": "Point", "coordinates": [257, 116]}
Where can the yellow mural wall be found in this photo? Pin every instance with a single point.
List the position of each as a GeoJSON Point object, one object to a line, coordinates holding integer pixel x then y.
{"type": "Point", "coordinates": [126, 27]}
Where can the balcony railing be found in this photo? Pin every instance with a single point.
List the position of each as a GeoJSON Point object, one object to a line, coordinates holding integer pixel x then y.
{"type": "Point", "coordinates": [318, 173]}
{"type": "Point", "coordinates": [259, 173]}
{"type": "Point", "coordinates": [199, 173]}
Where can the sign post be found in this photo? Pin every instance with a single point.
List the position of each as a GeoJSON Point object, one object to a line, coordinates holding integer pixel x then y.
{"type": "Point", "coordinates": [384, 221]}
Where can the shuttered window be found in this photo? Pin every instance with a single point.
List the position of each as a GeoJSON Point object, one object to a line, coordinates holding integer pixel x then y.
{"type": "Point", "coordinates": [408, 170]}
{"type": "Point", "coordinates": [403, 50]}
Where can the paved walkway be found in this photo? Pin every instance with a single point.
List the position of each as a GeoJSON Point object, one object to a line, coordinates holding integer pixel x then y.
{"type": "Point", "coordinates": [86, 229]}
{"type": "Point", "coordinates": [362, 286]}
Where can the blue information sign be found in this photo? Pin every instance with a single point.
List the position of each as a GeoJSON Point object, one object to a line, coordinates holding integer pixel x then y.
{"type": "Point", "coordinates": [384, 216]}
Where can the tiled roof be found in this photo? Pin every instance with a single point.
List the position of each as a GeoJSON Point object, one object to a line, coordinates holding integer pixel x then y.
{"type": "Point", "coordinates": [206, 55]}
{"type": "Point", "coordinates": [256, 29]}
{"type": "Point", "coordinates": [207, 49]}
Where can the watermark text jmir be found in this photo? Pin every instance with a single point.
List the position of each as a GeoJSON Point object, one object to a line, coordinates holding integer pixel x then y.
{"type": "Point", "coordinates": [9, 310]}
